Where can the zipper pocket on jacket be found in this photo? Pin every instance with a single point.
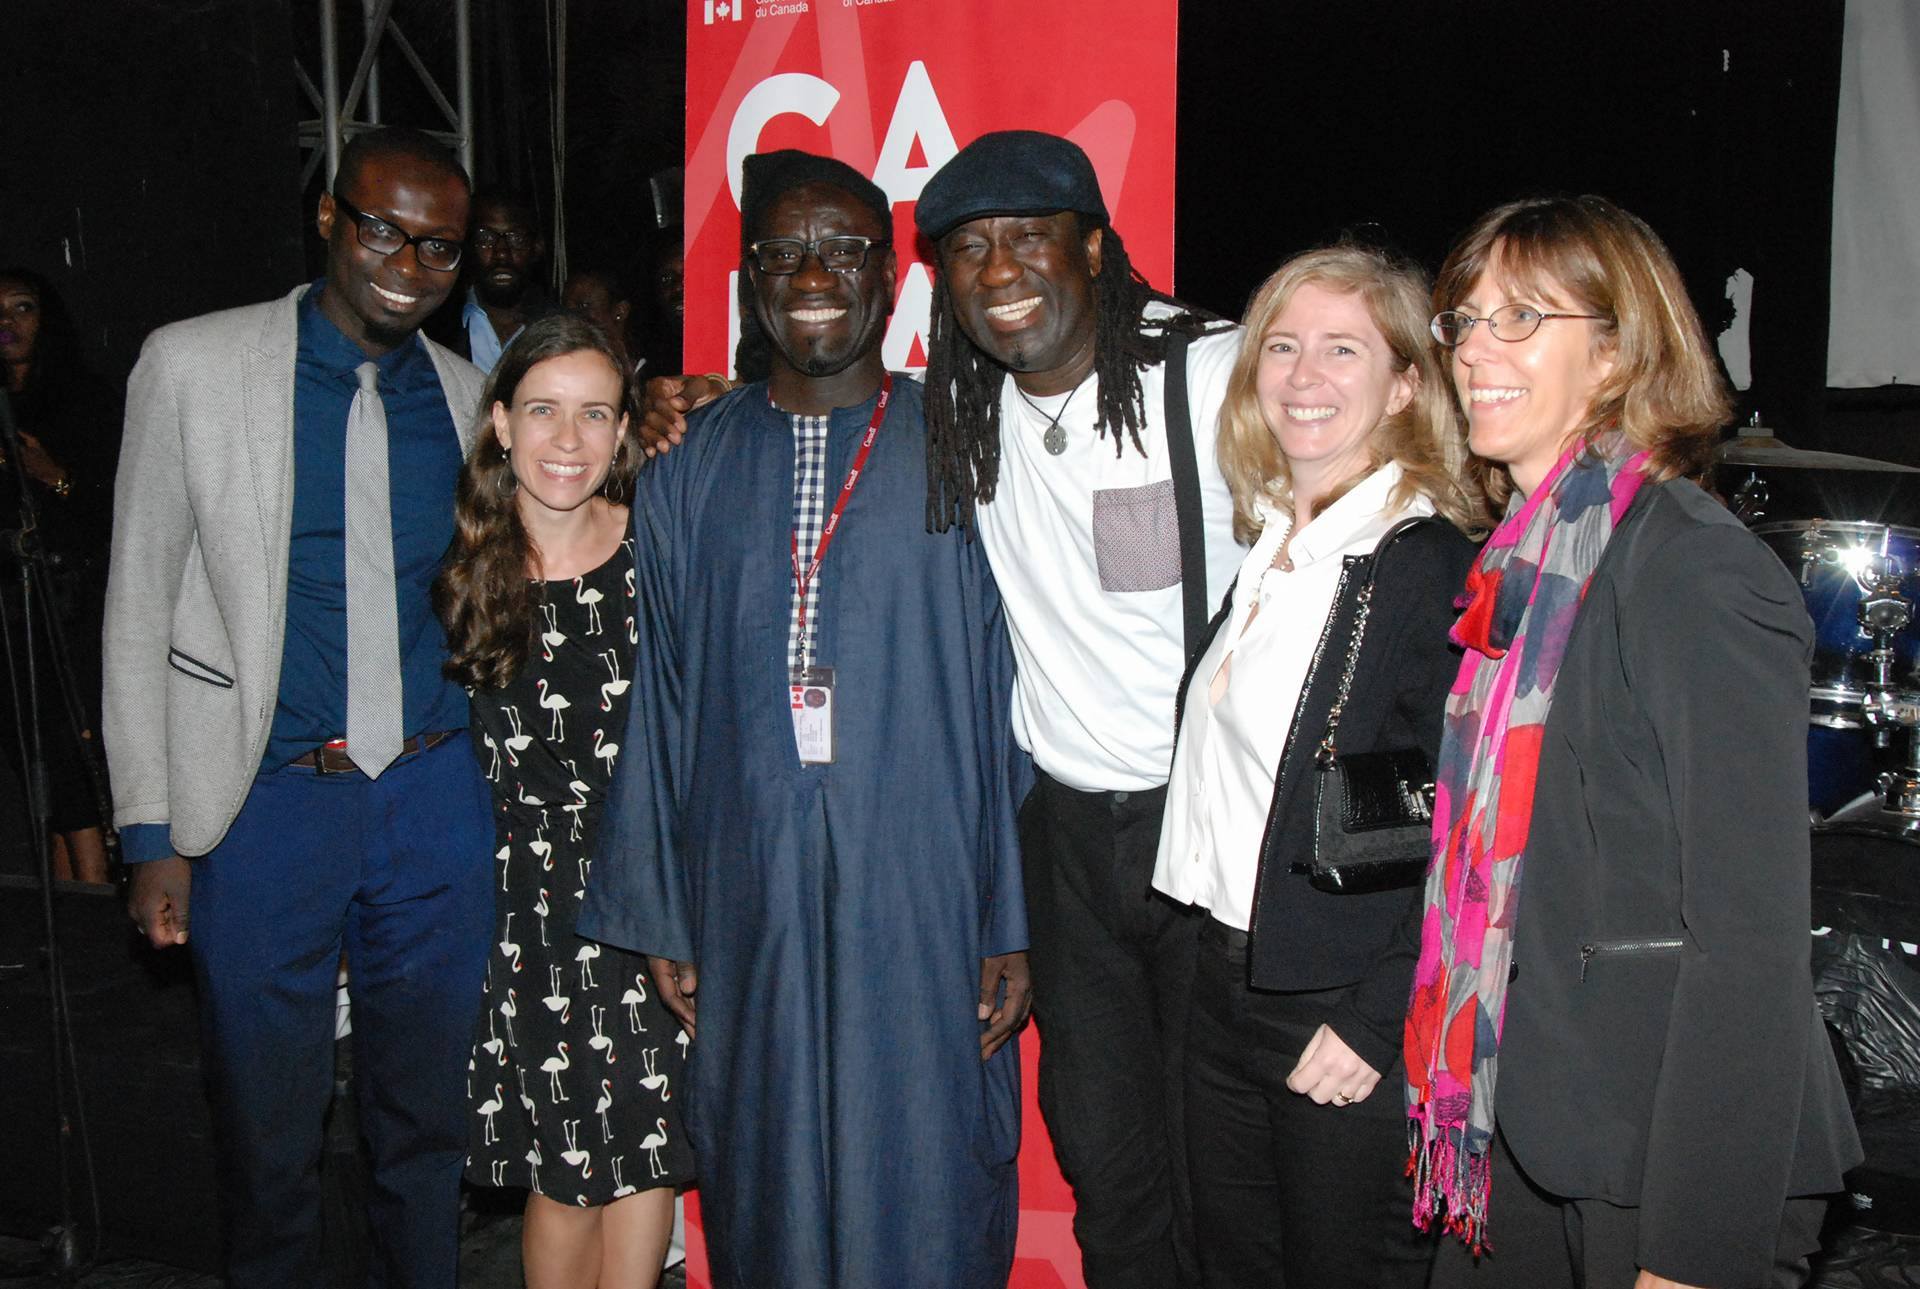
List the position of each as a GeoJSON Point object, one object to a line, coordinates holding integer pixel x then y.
{"type": "Point", "coordinates": [1640, 947]}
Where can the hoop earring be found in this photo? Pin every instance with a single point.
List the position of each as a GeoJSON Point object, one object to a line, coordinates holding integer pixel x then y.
{"type": "Point", "coordinates": [615, 491]}
{"type": "Point", "coordinates": [507, 482]}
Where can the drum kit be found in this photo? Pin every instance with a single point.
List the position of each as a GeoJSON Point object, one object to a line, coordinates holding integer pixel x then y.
{"type": "Point", "coordinates": [1860, 575]}
{"type": "Point", "coordinates": [1861, 578]}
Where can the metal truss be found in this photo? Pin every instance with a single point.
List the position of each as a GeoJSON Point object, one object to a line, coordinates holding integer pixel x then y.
{"type": "Point", "coordinates": [338, 118]}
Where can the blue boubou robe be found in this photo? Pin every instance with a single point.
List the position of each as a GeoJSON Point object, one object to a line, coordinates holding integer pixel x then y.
{"type": "Point", "coordinates": [846, 1130]}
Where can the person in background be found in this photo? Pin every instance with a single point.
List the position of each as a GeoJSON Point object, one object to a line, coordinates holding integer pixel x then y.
{"type": "Point", "coordinates": [505, 252]}
{"type": "Point", "coordinates": [1615, 922]}
{"type": "Point", "coordinates": [1340, 441]}
{"type": "Point", "coordinates": [670, 396]}
{"type": "Point", "coordinates": [69, 427]}
{"type": "Point", "coordinates": [667, 325]}
{"type": "Point", "coordinates": [289, 764]}
{"type": "Point", "coordinates": [812, 831]}
{"type": "Point", "coordinates": [571, 1091]}
{"type": "Point", "coordinates": [598, 296]}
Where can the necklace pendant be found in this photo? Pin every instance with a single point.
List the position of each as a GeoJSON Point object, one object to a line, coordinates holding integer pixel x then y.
{"type": "Point", "coordinates": [1054, 440]}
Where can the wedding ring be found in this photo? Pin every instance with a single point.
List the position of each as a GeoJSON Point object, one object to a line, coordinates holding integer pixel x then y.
{"type": "Point", "coordinates": [1341, 1098]}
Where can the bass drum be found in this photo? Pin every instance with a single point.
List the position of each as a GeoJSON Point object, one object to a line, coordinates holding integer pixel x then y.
{"type": "Point", "coordinates": [1842, 766]}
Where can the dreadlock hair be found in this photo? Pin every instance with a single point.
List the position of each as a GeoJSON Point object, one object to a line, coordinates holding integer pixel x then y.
{"type": "Point", "coordinates": [963, 382]}
{"type": "Point", "coordinates": [485, 594]}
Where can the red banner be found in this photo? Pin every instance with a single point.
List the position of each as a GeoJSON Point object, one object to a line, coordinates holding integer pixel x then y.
{"type": "Point", "coordinates": [894, 88]}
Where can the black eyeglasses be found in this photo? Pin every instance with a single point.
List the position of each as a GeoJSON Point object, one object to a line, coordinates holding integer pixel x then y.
{"type": "Point", "coordinates": [780, 256]}
{"type": "Point", "coordinates": [438, 253]}
{"type": "Point", "coordinates": [1510, 322]}
{"type": "Point", "coordinates": [514, 239]}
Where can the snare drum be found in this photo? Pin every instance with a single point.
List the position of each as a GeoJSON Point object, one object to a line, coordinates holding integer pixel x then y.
{"type": "Point", "coordinates": [1838, 565]}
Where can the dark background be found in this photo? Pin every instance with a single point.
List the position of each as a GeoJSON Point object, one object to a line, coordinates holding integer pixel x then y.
{"type": "Point", "coordinates": [1713, 120]}
{"type": "Point", "coordinates": [151, 163]}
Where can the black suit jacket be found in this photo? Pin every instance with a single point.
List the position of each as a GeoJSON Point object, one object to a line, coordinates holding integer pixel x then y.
{"type": "Point", "coordinates": [1661, 1046]}
{"type": "Point", "coordinates": [1305, 939]}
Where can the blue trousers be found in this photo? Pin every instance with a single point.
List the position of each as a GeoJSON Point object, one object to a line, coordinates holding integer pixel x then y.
{"type": "Point", "coordinates": [395, 874]}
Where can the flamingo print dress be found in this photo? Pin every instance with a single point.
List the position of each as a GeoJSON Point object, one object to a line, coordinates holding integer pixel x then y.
{"type": "Point", "coordinates": [575, 1080]}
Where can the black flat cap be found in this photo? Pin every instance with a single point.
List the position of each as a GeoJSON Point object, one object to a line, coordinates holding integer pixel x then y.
{"type": "Point", "coordinates": [767, 176]}
{"type": "Point", "coordinates": [1009, 172]}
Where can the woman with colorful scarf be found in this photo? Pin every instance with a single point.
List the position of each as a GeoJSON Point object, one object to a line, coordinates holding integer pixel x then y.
{"type": "Point", "coordinates": [1615, 1074]}
{"type": "Point", "coordinates": [1338, 437]}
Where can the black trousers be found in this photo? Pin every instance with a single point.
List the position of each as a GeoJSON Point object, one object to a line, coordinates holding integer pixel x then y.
{"type": "Point", "coordinates": [1541, 1241]}
{"type": "Point", "coordinates": [1286, 1192]}
{"type": "Point", "coordinates": [1112, 968]}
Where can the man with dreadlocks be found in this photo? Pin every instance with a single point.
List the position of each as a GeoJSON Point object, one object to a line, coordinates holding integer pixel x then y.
{"type": "Point", "coordinates": [1051, 430]}
{"type": "Point", "coordinates": [813, 830]}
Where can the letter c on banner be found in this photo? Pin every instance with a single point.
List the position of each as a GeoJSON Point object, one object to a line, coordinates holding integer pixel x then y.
{"type": "Point", "coordinates": [790, 93]}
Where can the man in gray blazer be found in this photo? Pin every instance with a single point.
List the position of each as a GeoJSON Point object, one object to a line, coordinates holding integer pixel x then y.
{"type": "Point", "coordinates": [288, 760]}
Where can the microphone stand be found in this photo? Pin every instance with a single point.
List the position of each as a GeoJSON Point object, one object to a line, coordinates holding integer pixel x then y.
{"type": "Point", "coordinates": [62, 1242]}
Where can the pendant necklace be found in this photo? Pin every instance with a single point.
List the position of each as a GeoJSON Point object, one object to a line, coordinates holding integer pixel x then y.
{"type": "Point", "coordinates": [1055, 438]}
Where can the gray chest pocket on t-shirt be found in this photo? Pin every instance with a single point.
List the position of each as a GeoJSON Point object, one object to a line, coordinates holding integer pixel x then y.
{"type": "Point", "coordinates": [1136, 537]}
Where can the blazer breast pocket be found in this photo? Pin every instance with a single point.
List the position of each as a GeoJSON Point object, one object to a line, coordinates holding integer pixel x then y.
{"type": "Point", "coordinates": [1136, 537]}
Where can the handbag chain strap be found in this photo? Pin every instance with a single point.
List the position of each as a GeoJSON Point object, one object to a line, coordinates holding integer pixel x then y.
{"type": "Point", "coordinates": [1325, 755]}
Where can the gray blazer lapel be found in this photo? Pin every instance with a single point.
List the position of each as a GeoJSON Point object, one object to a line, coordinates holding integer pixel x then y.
{"type": "Point", "coordinates": [267, 386]}
{"type": "Point", "coordinates": [460, 382]}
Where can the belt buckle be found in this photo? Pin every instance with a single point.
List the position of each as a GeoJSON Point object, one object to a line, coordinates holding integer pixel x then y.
{"type": "Point", "coordinates": [320, 765]}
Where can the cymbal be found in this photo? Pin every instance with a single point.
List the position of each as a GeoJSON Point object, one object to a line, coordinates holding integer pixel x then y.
{"type": "Point", "coordinates": [1765, 450]}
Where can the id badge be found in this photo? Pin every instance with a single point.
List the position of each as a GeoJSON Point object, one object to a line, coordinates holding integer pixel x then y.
{"type": "Point", "coordinates": [810, 692]}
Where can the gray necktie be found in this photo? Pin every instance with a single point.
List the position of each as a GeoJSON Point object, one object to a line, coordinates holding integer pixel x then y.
{"type": "Point", "coordinates": [374, 734]}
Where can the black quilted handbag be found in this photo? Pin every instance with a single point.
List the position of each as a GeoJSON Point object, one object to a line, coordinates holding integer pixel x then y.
{"type": "Point", "coordinates": [1373, 811]}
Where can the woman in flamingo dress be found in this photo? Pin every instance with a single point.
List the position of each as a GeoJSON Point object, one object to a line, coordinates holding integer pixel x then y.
{"type": "Point", "coordinates": [575, 1067]}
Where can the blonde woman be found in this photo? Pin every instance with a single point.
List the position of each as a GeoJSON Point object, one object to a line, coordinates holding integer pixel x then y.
{"type": "Point", "coordinates": [1338, 429]}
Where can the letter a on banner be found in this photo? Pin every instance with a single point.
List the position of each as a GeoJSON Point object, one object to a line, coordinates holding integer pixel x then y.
{"type": "Point", "coordinates": [916, 118]}
{"type": "Point", "coordinates": [832, 76]}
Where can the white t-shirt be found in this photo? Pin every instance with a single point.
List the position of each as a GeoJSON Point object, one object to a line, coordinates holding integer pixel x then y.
{"type": "Point", "coordinates": [1234, 728]}
{"type": "Point", "coordinates": [1086, 549]}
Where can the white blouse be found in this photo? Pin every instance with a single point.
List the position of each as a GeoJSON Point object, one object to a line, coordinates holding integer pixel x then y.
{"type": "Point", "coordinates": [1240, 704]}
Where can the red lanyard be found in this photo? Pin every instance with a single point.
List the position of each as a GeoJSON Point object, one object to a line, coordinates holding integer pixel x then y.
{"type": "Point", "coordinates": [801, 581]}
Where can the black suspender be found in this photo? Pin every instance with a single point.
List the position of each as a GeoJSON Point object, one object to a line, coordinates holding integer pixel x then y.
{"type": "Point", "coordinates": [1186, 494]}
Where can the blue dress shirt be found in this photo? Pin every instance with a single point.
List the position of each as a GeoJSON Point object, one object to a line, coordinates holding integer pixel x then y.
{"type": "Point", "coordinates": [484, 344]}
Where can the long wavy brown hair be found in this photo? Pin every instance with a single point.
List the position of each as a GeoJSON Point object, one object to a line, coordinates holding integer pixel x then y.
{"type": "Point", "coordinates": [486, 593]}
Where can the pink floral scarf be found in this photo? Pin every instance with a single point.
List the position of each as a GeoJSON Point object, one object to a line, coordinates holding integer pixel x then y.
{"type": "Point", "coordinates": [1523, 594]}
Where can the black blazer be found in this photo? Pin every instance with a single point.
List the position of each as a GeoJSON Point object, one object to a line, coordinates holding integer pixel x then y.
{"type": "Point", "coordinates": [1661, 1046]}
{"type": "Point", "coordinates": [1305, 939]}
